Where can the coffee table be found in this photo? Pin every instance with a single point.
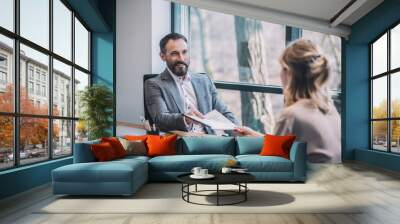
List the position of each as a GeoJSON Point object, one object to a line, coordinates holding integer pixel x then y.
{"type": "Point", "coordinates": [238, 179]}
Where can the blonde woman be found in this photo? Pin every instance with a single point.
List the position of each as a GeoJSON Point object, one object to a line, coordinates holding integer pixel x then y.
{"type": "Point", "coordinates": [308, 112]}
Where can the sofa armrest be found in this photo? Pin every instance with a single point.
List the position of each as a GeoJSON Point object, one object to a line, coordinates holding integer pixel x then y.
{"type": "Point", "coordinates": [83, 152]}
{"type": "Point", "coordinates": [298, 155]}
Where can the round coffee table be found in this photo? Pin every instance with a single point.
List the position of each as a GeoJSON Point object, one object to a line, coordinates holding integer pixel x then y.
{"type": "Point", "coordinates": [238, 179]}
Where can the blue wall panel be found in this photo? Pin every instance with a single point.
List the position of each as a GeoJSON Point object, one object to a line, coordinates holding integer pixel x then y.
{"type": "Point", "coordinates": [357, 85]}
{"type": "Point", "coordinates": [24, 178]}
{"type": "Point", "coordinates": [357, 99]}
{"type": "Point", "coordinates": [102, 58]}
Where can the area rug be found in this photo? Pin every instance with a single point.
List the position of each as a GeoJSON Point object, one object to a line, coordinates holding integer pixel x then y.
{"type": "Point", "coordinates": [166, 198]}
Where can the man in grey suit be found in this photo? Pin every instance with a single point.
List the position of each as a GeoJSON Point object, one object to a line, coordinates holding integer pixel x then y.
{"type": "Point", "coordinates": [176, 92]}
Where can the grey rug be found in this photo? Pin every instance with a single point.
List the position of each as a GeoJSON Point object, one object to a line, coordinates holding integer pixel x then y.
{"type": "Point", "coordinates": [166, 198]}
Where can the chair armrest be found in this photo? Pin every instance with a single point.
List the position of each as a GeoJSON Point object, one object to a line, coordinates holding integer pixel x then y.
{"type": "Point", "coordinates": [83, 152]}
{"type": "Point", "coordinates": [298, 155]}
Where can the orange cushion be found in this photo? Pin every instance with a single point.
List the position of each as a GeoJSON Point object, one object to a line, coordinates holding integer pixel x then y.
{"type": "Point", "coordinates": [277, 145]}
{"type": "Point", "coordinates": [116, 145]}
{"type": "Point", "coordinates": [103, 152]}
{"type": "Point", "coordinates": [161, 145]}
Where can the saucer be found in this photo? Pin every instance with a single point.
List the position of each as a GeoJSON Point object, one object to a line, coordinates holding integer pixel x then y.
{"type": "Point", "coordinates": [208, 176]}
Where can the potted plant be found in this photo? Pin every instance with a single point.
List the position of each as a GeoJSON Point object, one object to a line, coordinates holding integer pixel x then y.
{"type": "Point", "coordinates": [96, 102]}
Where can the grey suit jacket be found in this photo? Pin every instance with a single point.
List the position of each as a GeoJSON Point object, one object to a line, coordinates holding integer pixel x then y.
{"type": "Point", "coordinates": [166, 106]}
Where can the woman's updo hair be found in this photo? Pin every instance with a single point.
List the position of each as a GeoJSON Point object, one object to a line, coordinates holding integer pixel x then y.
{"type": "Point", "coordinates": [308, 75]}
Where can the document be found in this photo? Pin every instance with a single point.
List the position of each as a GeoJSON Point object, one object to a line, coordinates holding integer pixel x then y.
{"type": "Point", "coordinates": [214, 120]}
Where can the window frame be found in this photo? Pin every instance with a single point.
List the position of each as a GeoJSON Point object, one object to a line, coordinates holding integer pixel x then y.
{"type": "Point", "coordinates": [16, 115]}
{"type": "Point", "coordinates": [388, 74]}
{"type": "Point", "coordinates": [180, 12]}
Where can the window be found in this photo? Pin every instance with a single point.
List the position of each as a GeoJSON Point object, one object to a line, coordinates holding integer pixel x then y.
{"type": "Point", "coordinates": [35, 22]}
{"type": "Point", "coordinates": [81, 81]}
{"type": "Point", "coordinates": [385, 96]}
{"type": "Point", "coordinates": [3, 72]}
{"type": "Point", "coordinates": [3, 61]}
{"type": "Point", "coordinates": [3, 78]}
{"type": "Point", "coordinates": [62, 74]}
{"type": "Point", "coordinates": [242, 57]}
{"type": "Point", "coordinates": [7, 14]}
{"type": "Point", "coordinates": [38, 89]}
{"type": "Point", "coordinates": [44, 91]}
{"type": "Point", "coordinates": [30, 87]}
{"type": "Point", "coordinates": [62, 137]}
{"type": "Point", "coordinates": [38, 74]}
{"type": "Point", "coordinates": [81, 45]}
{"type": "Point", "coordinates": [6, 142]}
{"type": "Point", "coordinates": [62, 29]}
{"type": "Point", "coordinates": [45, 131]}
{"type": "Point", "coordinates": [30, 72]}
{"type": "Point", "coordinates": [6, 73]}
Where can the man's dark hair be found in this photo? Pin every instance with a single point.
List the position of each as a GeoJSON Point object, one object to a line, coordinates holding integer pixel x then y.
{"type": "Point", "coordinates": [171, 36]}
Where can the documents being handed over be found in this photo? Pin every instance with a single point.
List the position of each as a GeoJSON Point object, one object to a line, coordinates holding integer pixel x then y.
{"type": "Point", "coordinates": [214, 120]}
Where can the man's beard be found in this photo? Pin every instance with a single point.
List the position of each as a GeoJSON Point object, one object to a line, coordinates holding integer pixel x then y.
{"type": "Point", "coordinates": [177, 69]}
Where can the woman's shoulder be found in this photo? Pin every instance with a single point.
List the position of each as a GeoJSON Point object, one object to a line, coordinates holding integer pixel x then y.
{"type": "Point", "coordinates": [305, 107]}
{"type": "Point", "coordinates": [298, 107]}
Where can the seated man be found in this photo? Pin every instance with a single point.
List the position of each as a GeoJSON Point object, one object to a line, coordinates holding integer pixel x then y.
{"type": "Point", "coordinates": [176, 92]}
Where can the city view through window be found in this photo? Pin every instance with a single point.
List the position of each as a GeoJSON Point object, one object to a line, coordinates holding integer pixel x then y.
{"type": "Point", "coordinates": [45, 77]}
{"type": "Point", "coordinates": [385, 94]}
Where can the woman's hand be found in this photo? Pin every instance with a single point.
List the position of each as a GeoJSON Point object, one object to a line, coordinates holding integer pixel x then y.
{"type": "Point", "coordinates": [246, 131]}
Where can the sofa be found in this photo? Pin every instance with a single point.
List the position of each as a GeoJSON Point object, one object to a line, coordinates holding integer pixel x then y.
{"type": "Point", "coordinates": [126, 175]}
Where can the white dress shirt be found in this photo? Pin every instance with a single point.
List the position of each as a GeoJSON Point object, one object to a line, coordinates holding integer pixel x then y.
{"type": "Point", "coordinates": [186, 91]}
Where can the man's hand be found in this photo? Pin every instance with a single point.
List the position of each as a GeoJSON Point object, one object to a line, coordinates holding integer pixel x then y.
{"type": "Point", "coordinates": [192, 112]}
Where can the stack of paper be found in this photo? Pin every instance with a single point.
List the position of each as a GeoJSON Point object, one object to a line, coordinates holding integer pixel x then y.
{"type": "Point", "coordinates": [214, 120]}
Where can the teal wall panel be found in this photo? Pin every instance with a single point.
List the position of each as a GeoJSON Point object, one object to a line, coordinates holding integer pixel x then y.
{"type": "Point", "coordinates": [356, 143]}
{"type": "Point", "coordinates": [24, 178]}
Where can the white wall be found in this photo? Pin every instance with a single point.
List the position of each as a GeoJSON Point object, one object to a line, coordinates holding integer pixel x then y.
{"type": "Point", "coordinates": [161, 26]}
{"type": "Point", "coordinates": [140, 25]}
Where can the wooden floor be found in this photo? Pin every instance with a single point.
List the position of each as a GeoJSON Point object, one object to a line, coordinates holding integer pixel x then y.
{"type": "Point", "coordinates": [378, 188]}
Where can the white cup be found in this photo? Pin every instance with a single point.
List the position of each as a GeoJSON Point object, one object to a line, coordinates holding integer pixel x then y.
{"type": "Point", "coordinates": [196, 171]}
{"type": "Point", "coordinates": [203, 172]}
{"type": "Point", "coordinates": [226, 170]}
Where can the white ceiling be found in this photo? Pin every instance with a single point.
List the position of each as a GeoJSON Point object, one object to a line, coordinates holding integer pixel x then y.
{"type": "Point", "coordinates": [317, 9]}
{"type": "Point", "coordinates": [316, 15]}
{"type": "Point", "coordinates": [320, 9]}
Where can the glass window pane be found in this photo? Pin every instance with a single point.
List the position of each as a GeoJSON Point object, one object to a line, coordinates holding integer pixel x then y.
{"type": "Point", "coordinates": [395, 136]}
{"type": "Point", "coordinates": [34, 72]}
{"type": "Point", "coordinates": [395, 94]}
{"type": "Point", "coordinates": [256, 110]}
{"type": "Point", "coordinates": [379, 135]}
{"type": "Point", "coordinates": [395, 47]}
{"type": "Point", "coordinates": [62, 138]}
{"type": "Point", "coordinates": [81, 45]}
{"type": "Point", "coordinates": [35, 21]}
{"type": "Point", "coordinates": [81, 81]}
{"type": "Point", "coordinates": [6, 74]}
{"type": "Point", "coordinates": [6, 142]}
{"type": "Point", "coordinates": [7, 14]}
{"type": "Point", "coordinates": [379, 55]}
{"type": "Point", "coordinates": [33, 139]}
{"type": "Point", "coordinates": [81, 131]}
{"type": "Point", "coordinates": [236, 49]}
{"type": "Point", "coordinates": [379, 98]}
{"type": "Point", "coordinates": [331, 47]}
{"type": "Point", "coordinates": [62, 89]}
{"type": "Point", "coordinates": [62, 29]}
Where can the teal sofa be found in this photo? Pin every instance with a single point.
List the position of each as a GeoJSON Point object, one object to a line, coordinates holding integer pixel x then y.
{"type": "Point", "coordinates": [125, 176]}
